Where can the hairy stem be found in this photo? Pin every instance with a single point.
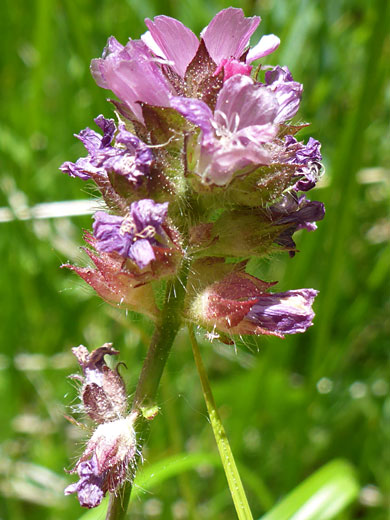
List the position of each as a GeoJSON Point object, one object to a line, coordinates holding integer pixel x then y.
{"type": "Point", "coordinates": [225, 452]}
{"type": "Point", "coordinates": [152, 369]}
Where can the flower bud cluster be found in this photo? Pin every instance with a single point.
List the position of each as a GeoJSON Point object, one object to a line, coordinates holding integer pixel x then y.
{"type": "Point", "coordinates": [202, 163]}
{"type": "Point", "coordinates": [104, 464]}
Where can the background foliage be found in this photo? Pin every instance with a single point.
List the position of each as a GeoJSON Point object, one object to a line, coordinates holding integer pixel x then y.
{"type": "Point", "coordinates": [288, 406]}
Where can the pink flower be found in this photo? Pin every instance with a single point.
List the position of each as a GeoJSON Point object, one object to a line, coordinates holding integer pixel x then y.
{"type": "Point", "coordinates": [226, 38]}
{"type": "Point", "coordinates": [137, 73]}
{"type": "Point", "coordinates": [131, 72]}
{"type": "Point", "coordinates": [233, 137]}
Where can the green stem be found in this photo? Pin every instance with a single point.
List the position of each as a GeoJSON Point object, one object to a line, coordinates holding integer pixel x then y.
{"type": "Point", "coordinates": [152, 369]}
{"type": "Point", "coordinates": [225, 452]}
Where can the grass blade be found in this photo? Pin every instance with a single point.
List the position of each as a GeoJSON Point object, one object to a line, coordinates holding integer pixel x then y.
{"type": "Point", "coordinates": [322, 496]}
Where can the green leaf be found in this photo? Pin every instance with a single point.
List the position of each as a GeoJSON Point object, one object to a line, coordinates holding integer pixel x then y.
{"type": "Point", "coordinates": [322, 496]}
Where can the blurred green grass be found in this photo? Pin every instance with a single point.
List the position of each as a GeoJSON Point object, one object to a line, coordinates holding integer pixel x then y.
{"type": "Point", "coordinates": [288, 406]}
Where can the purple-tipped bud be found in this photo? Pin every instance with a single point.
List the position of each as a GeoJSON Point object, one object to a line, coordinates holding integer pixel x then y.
{"type": "Point", "coordinates": [103, 391]}
{"type": "Point", "coordinates": [295, 213]}
{"type": "Point", "coordinates": [240, 304]}
{"type": "Point", "coordinates": [104, 464]}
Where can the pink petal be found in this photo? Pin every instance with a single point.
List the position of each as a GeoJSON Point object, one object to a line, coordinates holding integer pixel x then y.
{"type": "Point", "coordinates": [228, 33]}
{"type": "Point", "coordinates": [242, 103]}
{"type": "Point", "coordinates": [267, 44]}
{"type": "Point", "coordinates": [98, 65]}
{"type": "Point", "coordinates": [259, 133]}
{"type": "Point", "coordinates": [232, 67]}
{"type": "Point", "coordinates": [133, 76]}
{"type": "Point", "coordinates": [148, 40]}
{"type": "Point", "coordinates": [195, 111]}
{"type": "Point", "coordinates": [225, 163]}
{"type": "Point", "coordinates": [177, 43]}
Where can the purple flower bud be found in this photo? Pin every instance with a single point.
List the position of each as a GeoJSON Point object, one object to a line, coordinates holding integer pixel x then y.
{"type": "Point", "coordinates": [90, 486]}
{"type": "Point", "coordinates": [284, 313]}
{"type": "Point", "coordinates": [103, 465]}
{"type": "Point", "coordinates": [288, 92]}
{"type": "Point", "coordinates": [103, 391]}
{"type": "Point", "coordinates": [308, 157]}
{"type": "Point", "coordinates": [134, 235]}
{"type": "Point", "coordinates": [239, 304]}
{"type": "Point", "coordinates": [131, 159]}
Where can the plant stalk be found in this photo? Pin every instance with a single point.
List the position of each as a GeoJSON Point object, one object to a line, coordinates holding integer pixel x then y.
{"type": "Point", "coordinates": [145, 395]}
{"type": "Point", "coordinates": [233, 477]}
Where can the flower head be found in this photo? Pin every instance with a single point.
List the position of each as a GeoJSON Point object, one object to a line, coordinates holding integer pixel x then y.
{"type": "Point", "coordinates": [199, 129]}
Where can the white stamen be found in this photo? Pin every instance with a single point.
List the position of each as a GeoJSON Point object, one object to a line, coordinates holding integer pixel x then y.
{"type": "Point", "coordinates": [147, 232]}
{"type": "Point", "coordinates": [128, 226]}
